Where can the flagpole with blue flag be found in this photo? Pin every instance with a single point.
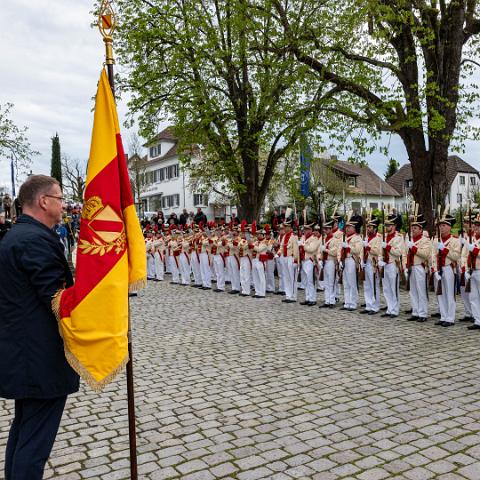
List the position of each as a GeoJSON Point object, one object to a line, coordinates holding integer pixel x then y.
{"type": "Point", "coordinates": [306, 155]}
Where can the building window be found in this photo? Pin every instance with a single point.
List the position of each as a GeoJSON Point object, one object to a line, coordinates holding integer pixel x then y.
{"type": "Point", "coordinates": [374, 205]}
{"type": "Point", "coordinates": [459, 198]}
{"type": "Point", "coordinates": [409, 183]}
{"type": "Point", "coordinates": [155, 151]}
{"type": "Point", "coordinates": [462, 180]}
{"type": "Point", "coordinates": [352, 181]}
{"type": "Point", "coordinates": [200, 199]}
{"type": "Point", "coordinates": [171, 201]}
{"type": "Point", "coordinates": [357, 207]}
{"type": "Point", "coordinates": [473, 181]}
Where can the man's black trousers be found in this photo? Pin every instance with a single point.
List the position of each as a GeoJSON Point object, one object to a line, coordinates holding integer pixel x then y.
{"type": "Point", "coordinates": [32, 436]}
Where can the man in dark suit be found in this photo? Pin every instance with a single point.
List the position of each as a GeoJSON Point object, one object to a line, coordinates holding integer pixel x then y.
{"type": "Point", "coordinates": [33, 368]}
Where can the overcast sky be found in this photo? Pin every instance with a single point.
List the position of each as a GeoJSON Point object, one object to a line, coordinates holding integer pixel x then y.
{"type": "Point", "coordinates": [52, 59]}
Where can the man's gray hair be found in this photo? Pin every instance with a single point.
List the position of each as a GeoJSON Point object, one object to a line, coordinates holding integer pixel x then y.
{"type": "Point", "coordinates": [35, 186]}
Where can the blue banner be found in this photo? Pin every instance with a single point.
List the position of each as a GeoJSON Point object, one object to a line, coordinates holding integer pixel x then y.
{"type": "Point", "coordinates": [305, 160]}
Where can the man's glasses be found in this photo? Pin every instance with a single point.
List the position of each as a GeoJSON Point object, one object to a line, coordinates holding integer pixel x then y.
{"type": "Point", "coordinates": [62, 199]}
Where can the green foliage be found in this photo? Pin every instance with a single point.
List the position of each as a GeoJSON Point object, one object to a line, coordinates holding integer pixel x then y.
{"type": "Point", "coordinates": [392, 168]}
{"type": "Point", "coordinates": [14, 144]}
{"type": "Point", "coordinates": [56, 163]}
{"type": "Point", "coordinates": [204, 65]}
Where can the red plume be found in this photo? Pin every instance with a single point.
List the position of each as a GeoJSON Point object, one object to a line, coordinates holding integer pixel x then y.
{"type": "Point", "coordinates": [170, 228]}
{"type": "Point", "coordinates": [243, 225]}
{"type": "Point", "coordinates": [266, 227]}
{"type": "Point", "coordinates": [254, 227]}
{"type": "Point", "coordinates": [200, 225]}
{"type": "Point", "coordinates": [222, 222]}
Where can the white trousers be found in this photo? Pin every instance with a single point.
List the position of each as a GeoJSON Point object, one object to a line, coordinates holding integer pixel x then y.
{"type": "Point", "coordinates": [289, 268]}
{"type": "Point", "coordinates": [150, 265]}
{"type": "Point", "coordinates": [446, 301]}
{"type": "Point", "coordinates": [391, 288]}
{"type": "Point", "coordinates": [175, 268]}
{"type": "Point", "coordinates": [168, 260]}
{"type": "Point", "coordinates": [270, 275]}
{"type": "Point", "coordinates": [195, 263]}
{"type": "Point", "coordinates": [371, 288]}
{"type": "Point", "coordinates": [308, 272]}
{"type": "Point", "coordinates": [234, 271]}
{"type": "Point", "coordinates": [475, 295]}
{"type": "Point", "coordinates": [303, 280]}
{"type": "Point", "coordinates": [350, 289]}
{"type": "Point", "coordinates": [467, 304]}
{"type": "Point", "coordinates": [330, 282]}
{"type": "Point", "coordinates": [219, 271]}
{"type": "Point", "coordinates": [281, 279]}
{"type": "Point", "coordinates": [418, 291]}
{"type": "Point", "coordinates": [206, 270]}
{"type": "Point", "coordinates": [245, 275]}
{"type": "Point", "coordinates": [159, 266]}
{"type": "Point", "coordinates": [184, 264]}
{"type": "Point", "coordinates": [259, 278]}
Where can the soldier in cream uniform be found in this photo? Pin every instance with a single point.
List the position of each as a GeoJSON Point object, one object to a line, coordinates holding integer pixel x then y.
{"type": "Point", "coordinates": [352, 252]}
{"type": "Point", "coordinates": [217, 248]}
{"type": "Point", "coordinates": [473, 250]}
{"type": "Point", "coordinates": [372, 250]}
{"type": "Point", "coordinates": [418, 258]}
{"type": "Point", "coordinates": [446, 254]}
{"type": "Point", "coordinates": [310, 244]}
{"type": "Point", "coordinates": [270, 263]}
{"type": "Point", "coordinates": [393, 250]}
{"type": "Point", "coordinates": [260, 257]}
{"type": "Point", "coordinates": [159, 255]}
{"type": "Point", "coordinates": [234, 261]}
{"type": "Point", "coordinates": [463, 268]}
{"type": "Point", "coordinates": [328, 254]}
{"type": "Point", "coordinates": [184, 259]}
{"type": "Point", "coordinates": [290, 259]}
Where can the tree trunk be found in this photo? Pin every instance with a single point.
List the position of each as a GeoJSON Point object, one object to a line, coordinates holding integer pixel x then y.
{"type": "Point", "coordinates": [249, 206]}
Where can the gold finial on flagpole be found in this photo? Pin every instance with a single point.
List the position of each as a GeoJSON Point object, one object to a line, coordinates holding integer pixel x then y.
{"type": "Point", "coordinates": [107, 24]}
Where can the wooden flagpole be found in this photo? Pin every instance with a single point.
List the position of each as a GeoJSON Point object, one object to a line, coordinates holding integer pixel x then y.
{"type": "Point", "coordinates": [106, 25]}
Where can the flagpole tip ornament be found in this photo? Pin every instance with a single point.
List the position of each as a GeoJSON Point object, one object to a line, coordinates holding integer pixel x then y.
{"type": "Point", "coordinates": [107, 22]}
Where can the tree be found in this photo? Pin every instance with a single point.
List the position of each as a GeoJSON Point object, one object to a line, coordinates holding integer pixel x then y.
{"type": "Point", "coordinates": [203, 64]}
{"type": "Point", "coordinates": [56, 163]}
{"type": "Point", "coordinates": [400, 67]}
{"type": "Point", "coordinates": [74, 172]}
{"type": "Point", "coordinates": [14, 144]}
{"type": "Point", "coordinates": [392, 168]}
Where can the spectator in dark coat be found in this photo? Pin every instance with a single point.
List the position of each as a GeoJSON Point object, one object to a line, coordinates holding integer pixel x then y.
{"type": "Point", "coordinates": [33, 368]}
{"type": "Point", "coordinates": [234, 220]}
{"type": "Point", "coordinates": [200, 217]}
{"type": "Point", "coordinates": [184, 217]}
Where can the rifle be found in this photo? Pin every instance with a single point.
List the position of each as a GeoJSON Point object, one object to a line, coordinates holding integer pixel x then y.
{"type": "Point", "coordinates": [364, 231]}
{"type": "Point", "coordinates": [343, 255]}
{"type": "Point", "coordinates": [439, 290]}
{"type": "Point", "coordinates": [382, 272]}
{"type": "Point", "coordinates": [409, 259]}
{"type": "Point", "coordinates": [322, 242]}
{"type": "Point", "coordinates": [471, 258]}
{"type": "Point", "coordinates": [461, 233]}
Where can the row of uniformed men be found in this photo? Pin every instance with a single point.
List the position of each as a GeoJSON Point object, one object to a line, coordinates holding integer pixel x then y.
{"type": "Point", "coordinates": [327, 259]}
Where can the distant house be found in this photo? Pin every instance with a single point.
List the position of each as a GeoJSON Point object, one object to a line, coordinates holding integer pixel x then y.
{"type": "Point", "coordinates": [166, 185]}
{"type": "Point", "coordinates": [463, 181]}
{"type": "Point", "coordinates": [364, 188]}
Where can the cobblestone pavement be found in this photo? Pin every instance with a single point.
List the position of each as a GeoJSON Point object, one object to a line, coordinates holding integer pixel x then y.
{"type": "Point", "coordinates": [242, 388]}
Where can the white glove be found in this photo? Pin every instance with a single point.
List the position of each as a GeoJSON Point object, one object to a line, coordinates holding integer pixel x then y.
{"type": "Point", "coordinates": [405, 272]}
{"type": "Point", "coordinates": [323, 248]}
{"type": "Point", "coordinates": [381, 263]}
{"type": "Point", "coordinates": [441, 246]}
{"type": "Point", "coordinates": [410, 244]}
{"type": "Point", "coordinates": [384, 244]}
{"type": "Point", "coordinates": [362, 264]}
{"type": "Point", "coordinates": [463, 241]}
{"type": "Point", "coordinates": [344, 244]}
{"type": "Point", "coordinates": [320, 264]}
{"type": "Point", "coordinates": [365, 243]}
{"type": "Point", "coordinates": [437, 276]}
{"type": "Point", "coordinates": [301, 242]}
{"type": "Point", "coordinates": [276, 256]}
{"type": "Point", "coordinates": [467, 276]}
{"type": "Point", "coordinates": [470, 247]}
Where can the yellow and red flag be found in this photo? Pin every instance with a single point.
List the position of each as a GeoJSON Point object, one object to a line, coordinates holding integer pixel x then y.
{"type": "Point", "coordinates": [93, 314]}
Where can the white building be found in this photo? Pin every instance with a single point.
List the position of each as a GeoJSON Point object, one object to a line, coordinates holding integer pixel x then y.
{"type": "Point", "coordinates": [166, 185]}
{"type": "Point", "coordinates": [462, 178]}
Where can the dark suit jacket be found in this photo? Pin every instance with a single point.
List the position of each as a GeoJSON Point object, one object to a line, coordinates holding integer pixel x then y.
{"type": "Point", "coordinates": [32, 268]}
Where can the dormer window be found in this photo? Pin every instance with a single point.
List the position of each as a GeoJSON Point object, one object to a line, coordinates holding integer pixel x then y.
{"type": "Point", "coordinates": [155, 151]}
{"type": "Point", "coordinates": [352, 181]}
{"type": "Point", "coordinates": [409, 183]}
